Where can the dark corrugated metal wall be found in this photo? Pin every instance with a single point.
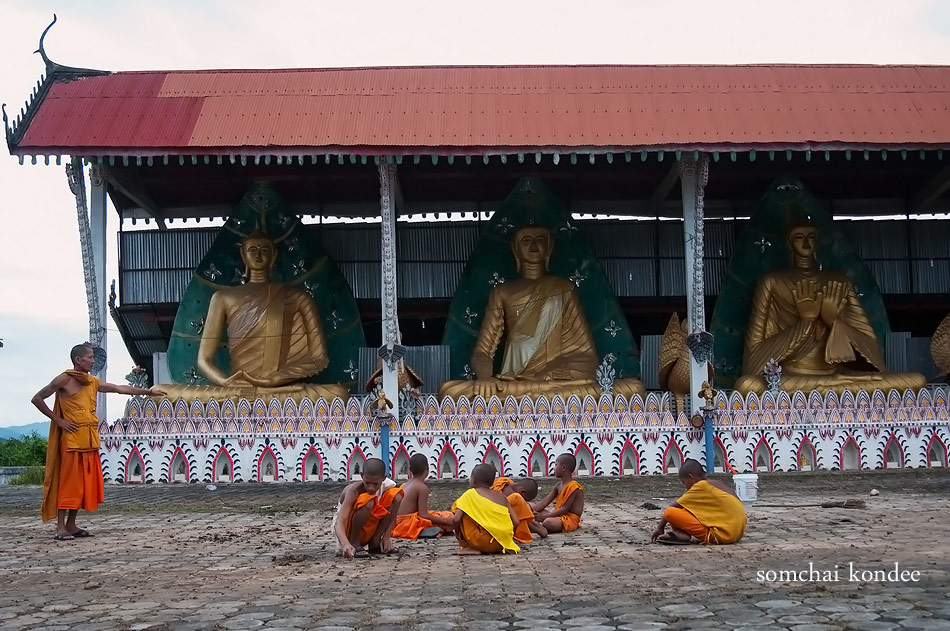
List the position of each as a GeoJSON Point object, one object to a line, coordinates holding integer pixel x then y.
{"type": "Point", "coordinates": [641, 259]}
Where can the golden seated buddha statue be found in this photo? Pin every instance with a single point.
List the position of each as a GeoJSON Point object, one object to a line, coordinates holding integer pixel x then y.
{"type": "Point", "coordinates": [549, 348]}
{"type": "Point", "coordinates": [274, 337]}
{"type": "Point", "coordinates": [813, 324]}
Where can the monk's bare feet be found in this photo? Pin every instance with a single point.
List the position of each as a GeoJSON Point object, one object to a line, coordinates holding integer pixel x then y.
{"type": "Point", "coordinates": [467, 551]}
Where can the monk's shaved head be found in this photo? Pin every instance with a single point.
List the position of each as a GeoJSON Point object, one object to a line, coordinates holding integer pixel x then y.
{"type": "Point", "coordinates": [693, 468]}
{"type": "Point", "coordinates": [418, 465]}
{"type": "Point", "coordinates": [374, 468]}
{"type": "Point", "coordinates": [529, 488]}
{"type": "Point", "coordinates": [484, 474]}
{"type": "Point", "coordinates": [78, 351]}
{"type": "Point", "coordinates": [569, 461]}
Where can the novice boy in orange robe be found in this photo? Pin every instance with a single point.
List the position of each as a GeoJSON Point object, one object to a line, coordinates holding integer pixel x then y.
{"type": "Point", "coordinates": [367, 512]}
{"type": "Point", "coordinates": [73, 478]}
{"type": "Point", "coordinates": [709, 511]}
{"type": "Point", "coordinates": [484, 521]}
{"type": "Point", "coordinates": [414, 515]}
{"type": "Point", "coordinates": [518, 495]}
{"type": "Point", "coordinates": [569, 505]}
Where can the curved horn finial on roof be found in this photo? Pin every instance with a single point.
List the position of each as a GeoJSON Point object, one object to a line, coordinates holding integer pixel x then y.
{"type": "Point", "coordinates": [41, 50]}
{"type": "Point", "coordinates": [53, 67]}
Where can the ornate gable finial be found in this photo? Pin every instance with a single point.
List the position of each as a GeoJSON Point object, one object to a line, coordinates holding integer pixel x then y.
{"type": "Point", "coordinates": [53, 67]}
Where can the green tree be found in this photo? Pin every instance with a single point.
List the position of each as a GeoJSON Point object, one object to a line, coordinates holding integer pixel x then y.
{"type": "Point", "coordinates": [28, 451]}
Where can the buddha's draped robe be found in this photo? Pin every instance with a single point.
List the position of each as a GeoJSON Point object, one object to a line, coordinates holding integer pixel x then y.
{"type": "Point", "coordinates": [274, 335]}
{"type": "Point", "coordinates": [486, 526]}
{"type": "Point", "coordinates": [73, 478]}
{"type": "Point", "coordinates": [720, 513]}
{"type": "Point", "coordinates": [813, 355]}
{"type": "Point", "coordinates": [266, 334]}
{"type": "Point", "coordinates": [549, 348]}
{"type": "Point", "coordinates": [569, 521]}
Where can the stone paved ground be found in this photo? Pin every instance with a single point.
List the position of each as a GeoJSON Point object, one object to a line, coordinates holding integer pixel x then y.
{"type": "Point", "coordinates": [253, 556]}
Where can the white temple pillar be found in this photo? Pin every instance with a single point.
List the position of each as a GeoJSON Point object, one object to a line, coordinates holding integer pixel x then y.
{"type": "Point", "coordinates": [693, 176]}
{"type": "Point", "coordinates": [92, 242]}
{"type": "Point", "coordinates": [390, 351]}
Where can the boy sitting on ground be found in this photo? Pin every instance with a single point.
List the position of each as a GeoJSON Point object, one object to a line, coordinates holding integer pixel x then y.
{"type": "Point", "coordinates": [518, 495]}
{"type": "Point", "coordinates": [484, 521]}
{"type": "Point", "coordinates": [366, 513]}
{"type": "Point", "coordinates": [569, 502]}
{"type": "Point", "coordinates": [414, 518]}
{"type": "Point", "coordinates": [709, 511]}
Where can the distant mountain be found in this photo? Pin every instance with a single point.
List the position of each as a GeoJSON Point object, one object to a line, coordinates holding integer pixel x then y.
{"type": "Point", "coordinates": [41, 428]}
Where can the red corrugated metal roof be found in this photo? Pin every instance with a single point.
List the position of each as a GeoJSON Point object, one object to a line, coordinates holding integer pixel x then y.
{"type": "Point", "coordinates": [488, 109]}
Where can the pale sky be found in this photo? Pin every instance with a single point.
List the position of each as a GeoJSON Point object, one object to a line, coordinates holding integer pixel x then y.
{"type": "Point", "coordinates": [43, 308]}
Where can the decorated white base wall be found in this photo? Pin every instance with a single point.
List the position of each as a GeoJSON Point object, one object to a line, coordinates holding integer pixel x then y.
{"type": "Point", "coordinates": [311, 441]}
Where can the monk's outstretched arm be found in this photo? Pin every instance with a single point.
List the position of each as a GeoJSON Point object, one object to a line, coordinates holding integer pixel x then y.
{"type": "Point", "coordinates": [349, 501]}
{"type": "Point", "coordinates": [105, 386]}
{"type": "Point", "coordinates": [661, 525]}
{"type": "Point", "coordinates": [423, 509]}
{"type": "Point", "coordinates": [39, 400]}
{"type": "Point", "coordinates": [540, 505]}
{"type": "Point", "coordinates": [574, 504]}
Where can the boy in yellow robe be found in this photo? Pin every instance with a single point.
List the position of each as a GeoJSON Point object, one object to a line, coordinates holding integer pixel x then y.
{"type": "Point", "coordinates": [73, 478]}
{"type": "Point", "coordinates": [518, 495]}
{"type": "Point", "coordinates": [709, 511]}
{"type": "Point", "coordinates": [366, 513]}
{"type": "Point", "coordinates": [414, 517]}
{"type": "Point", "coordinates": [484, 521]}
{"type": "Point", "coordinates": [568, 497]}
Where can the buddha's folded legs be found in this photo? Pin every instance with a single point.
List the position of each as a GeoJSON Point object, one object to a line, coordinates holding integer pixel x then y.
{"type": "Point", "coordinates": [837, 383]}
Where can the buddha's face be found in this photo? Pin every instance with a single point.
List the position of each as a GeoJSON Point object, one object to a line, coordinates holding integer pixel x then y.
{"type": "Point", "coordinates": [258, 254]}
{"type": "Point", "coordinates": [532, 245]}
{"type": "Point", "coordinates": [803, 241]}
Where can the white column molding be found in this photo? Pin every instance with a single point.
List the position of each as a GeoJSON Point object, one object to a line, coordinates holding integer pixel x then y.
{"type": "Point", "coordinates": [693, 177]}
{"type": "Point", "coordinates": [391, 351]}
{"type": "Point", "coordinates": [92, 243]}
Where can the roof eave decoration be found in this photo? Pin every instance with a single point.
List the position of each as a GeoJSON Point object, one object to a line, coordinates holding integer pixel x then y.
{"type": "Point", "coordinates": [54, 72]}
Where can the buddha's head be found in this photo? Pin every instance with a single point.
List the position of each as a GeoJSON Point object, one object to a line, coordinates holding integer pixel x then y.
{"type": "Point", "coordinates": [532, 245]}
{"type": "Point", "coordinates": [803, 241]}
{"type": "Point", "coordinates": [258, 253]}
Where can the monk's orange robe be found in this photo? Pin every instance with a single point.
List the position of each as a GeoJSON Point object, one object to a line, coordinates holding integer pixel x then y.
{"type": "Point", "coordinates": [485, 526]}
{"type": "Point", "coordinates": [409, 526]}
{"type": "Point", "coordinates": [73, 478]}
{"type": "Point", "coordinates": [709, 514]}
{"type": "Point", "coordinates": [522, 510]}
{"type": "Point", "coordinates": [379, 511]}
{"type": "Point", "coordinates": [569, 521]}
{"type": "Point", "coordinates": [500, 483]}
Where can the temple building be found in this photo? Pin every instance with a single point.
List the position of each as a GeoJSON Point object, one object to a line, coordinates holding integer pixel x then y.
{"type": "Point", "coordinates": [505, 246]}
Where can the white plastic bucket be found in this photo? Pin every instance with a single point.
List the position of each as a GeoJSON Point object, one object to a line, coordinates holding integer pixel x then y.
{"type": "Point", "coordinates": [747, 486]}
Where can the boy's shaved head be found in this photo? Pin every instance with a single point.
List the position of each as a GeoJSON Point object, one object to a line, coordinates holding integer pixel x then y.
{"type": "Point", "coordinates": [568, 461]}
{"type": "Point", "coordinates": [374, 468]}
{"type": "Point", "coordinates": [484, 474]}
{"type": "Point", "coordinates": [693, 468]}
{"type": "Point", "coordinates": [418, 465]}
{"type": "Point", "coordinates": [529, 488]}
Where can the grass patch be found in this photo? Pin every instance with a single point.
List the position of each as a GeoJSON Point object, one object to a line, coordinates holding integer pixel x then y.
{"type": "Point", "coordinates": [32, 475]}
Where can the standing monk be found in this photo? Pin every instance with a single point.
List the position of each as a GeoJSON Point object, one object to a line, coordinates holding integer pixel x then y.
{"type": "Point", "coordinates": [73, 477]}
